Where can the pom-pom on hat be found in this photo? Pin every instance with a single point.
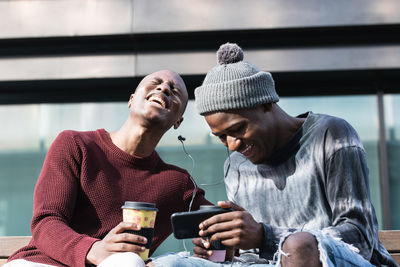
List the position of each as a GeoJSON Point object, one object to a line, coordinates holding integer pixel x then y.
{"type": "Point", "coordinates": [234, 84]}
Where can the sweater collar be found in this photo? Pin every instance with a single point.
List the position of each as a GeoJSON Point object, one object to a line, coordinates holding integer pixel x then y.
{"type": "Point", "coordinates": [132, 159]}
{"type": "Point", "coordinates": [292, 145]}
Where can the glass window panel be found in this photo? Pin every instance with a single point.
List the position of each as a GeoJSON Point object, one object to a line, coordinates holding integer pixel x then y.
{"type": "Point", "coordinates": [208, 156]}
{"type": "Point", "coordinates": [392, 124]}
{"type": "Point", "coordinates": [19, 130]}
{"type": "Point", "coordinates": [23, 147]}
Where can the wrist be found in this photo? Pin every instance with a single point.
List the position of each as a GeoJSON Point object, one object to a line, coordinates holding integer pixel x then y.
{"type": "Point", "coordinates": [260, 235]}
{"type": "Point", "coordinates": [91, 255]}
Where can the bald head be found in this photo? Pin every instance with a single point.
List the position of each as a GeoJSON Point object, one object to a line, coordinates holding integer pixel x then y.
{"type": "Point", "coordinates": [174, 80]}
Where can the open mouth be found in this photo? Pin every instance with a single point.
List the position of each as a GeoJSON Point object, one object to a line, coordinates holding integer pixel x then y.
{"type": "Point", "coordinates": [247, 150]}
{"type": "Point", "coordinates": [158, 99]}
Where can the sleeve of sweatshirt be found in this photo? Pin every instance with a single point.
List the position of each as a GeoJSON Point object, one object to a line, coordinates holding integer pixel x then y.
{"type": "Point", "coordinates": [347, 191]}
{"type": "Point", "coordinates": [54, 203]}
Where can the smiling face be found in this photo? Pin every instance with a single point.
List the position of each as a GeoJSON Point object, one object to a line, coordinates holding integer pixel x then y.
{"type": "Point", "coordinates": [248, 131]}
{"type": "Point", "coordinates": [160, 100]}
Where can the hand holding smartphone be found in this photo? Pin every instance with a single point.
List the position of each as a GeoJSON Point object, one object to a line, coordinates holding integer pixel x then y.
{"type": "Point", "coordinates": [186, 224]}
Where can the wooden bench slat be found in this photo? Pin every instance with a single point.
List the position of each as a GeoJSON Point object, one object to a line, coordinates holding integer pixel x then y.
{"type": "Point", "coordinates": [9, 244]}
{"type": "Point", "coordinates": [396, 257]}
{"type": "Point", "coordinates": [391, 240]}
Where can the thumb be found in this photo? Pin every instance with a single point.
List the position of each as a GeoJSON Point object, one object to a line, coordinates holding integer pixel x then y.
{"type": "Point", "coordinates": [229, 204]}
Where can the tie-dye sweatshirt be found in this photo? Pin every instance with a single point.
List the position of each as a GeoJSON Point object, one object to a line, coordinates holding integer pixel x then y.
{"type": "Point", "coordinates": [318, 180]}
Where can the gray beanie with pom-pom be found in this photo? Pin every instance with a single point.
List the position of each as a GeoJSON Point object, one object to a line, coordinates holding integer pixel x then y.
{"type": "Point", "coordinates": [234, 84]}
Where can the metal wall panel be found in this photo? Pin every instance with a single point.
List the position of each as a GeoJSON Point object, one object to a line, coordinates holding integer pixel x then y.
{"type": "Point", "coordinates": [74, 67]}
{"type": "Point", "coordinates": [274, 60]}
{"type": "Point", "coordinates": [327, 58]}
{"type": "Point", "coordinates": [42, 18]}
{"type": "Point", "coordinates": [194, 15]}
{"type": "Point", "coordinates": [183, 63]}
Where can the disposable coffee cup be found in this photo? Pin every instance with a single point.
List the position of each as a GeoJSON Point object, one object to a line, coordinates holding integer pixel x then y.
{"type": "Point", "coordinates": [219, 250]}
{"type": "Point", "coordinates": [143, 214]}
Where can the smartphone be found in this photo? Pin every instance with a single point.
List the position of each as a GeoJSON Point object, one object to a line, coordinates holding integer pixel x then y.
{"type": "Point", "coordinates": [186, 224]}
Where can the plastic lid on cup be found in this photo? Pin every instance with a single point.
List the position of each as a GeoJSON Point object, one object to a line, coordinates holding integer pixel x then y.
{"type": "Point", "coordinates": [139, 206]}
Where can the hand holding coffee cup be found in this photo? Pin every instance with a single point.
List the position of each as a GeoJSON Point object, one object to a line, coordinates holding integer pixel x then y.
{"type": "Point", "coordinates": [143, 214]}
{"type": "Point", "coordinates": [111, 243]}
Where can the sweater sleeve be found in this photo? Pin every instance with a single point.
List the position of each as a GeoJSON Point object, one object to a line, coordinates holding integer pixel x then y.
{"type": "Point", "coordinates": [347, 192]}
{"type": "Point", "coordinates": [54, 203]}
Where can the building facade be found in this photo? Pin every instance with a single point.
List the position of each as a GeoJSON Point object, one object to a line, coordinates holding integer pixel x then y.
{"type": "Point", "coordinates": [73, 64]}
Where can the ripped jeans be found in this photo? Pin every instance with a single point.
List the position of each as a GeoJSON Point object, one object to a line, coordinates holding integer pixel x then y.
{"type": "Point", "coordinates": [332, 252]}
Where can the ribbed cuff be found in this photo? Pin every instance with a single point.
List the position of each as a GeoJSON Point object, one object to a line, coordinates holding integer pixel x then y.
{"type": "Point", "coordinates": [270, 244]}
{"type": "Point", "coordinates": [83, 249]}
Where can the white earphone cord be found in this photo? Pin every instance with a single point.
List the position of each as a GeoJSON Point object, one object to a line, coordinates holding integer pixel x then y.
{"type": "Point", "coordinates": [181, 139]}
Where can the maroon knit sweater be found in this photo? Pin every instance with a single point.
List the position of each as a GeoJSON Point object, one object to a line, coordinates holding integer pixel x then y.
{"type": "Point", "coordinates": [84, 182]}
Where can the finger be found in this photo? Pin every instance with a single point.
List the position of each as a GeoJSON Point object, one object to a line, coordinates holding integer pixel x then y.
{"type": "Point", "coordinates": [198, 242]}
{"type": "Point", "coordinates": [232, 242]}
{"type": "Point", "coordinates": [116, 229]}
{"type": "Point", "coordinates": [234, 234]}
{"type": "Point", "coordinates": [234, 238]}
{"type": "Point", "coordinates": [130, 238]}
{"type": "Point", "coordinates": [199, 251]}
{"type": "Point", "coordinates": [126, 238]}
{"type": "Point", "coordinates": [230, 238]}
{"type": "Point", "coordinates": [125, 247]}
{"type": "Point", "coordinates": [129, 226]}
{"type": "Point", "coordinates": [202, 243]}
{"type": "Point", "coordinates": [123, 226]}
{"type": "Point", "coordinates": [222, 222]}
{"type": "Point", "coordinates": [229, 204]}
{"type": "Point", "coordinates": [219, 218]}
{"type": "Point", "coordinates": [236, 222]}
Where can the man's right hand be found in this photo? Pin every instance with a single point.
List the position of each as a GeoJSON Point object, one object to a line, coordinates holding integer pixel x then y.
{"type": "Point", "coordinates": [116, 241]}
{"type": "Point", "coordinates": [201, 248]}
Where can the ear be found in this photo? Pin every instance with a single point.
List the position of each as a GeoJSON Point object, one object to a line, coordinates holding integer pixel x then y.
{"type": "Point", "coordinates": [130, 100]}
{"type": "Point", "coordinates": [178, 123]}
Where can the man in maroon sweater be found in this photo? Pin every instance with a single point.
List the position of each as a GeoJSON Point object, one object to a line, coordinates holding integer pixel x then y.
{"type": "Point", "coordinates": [87, 177]}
